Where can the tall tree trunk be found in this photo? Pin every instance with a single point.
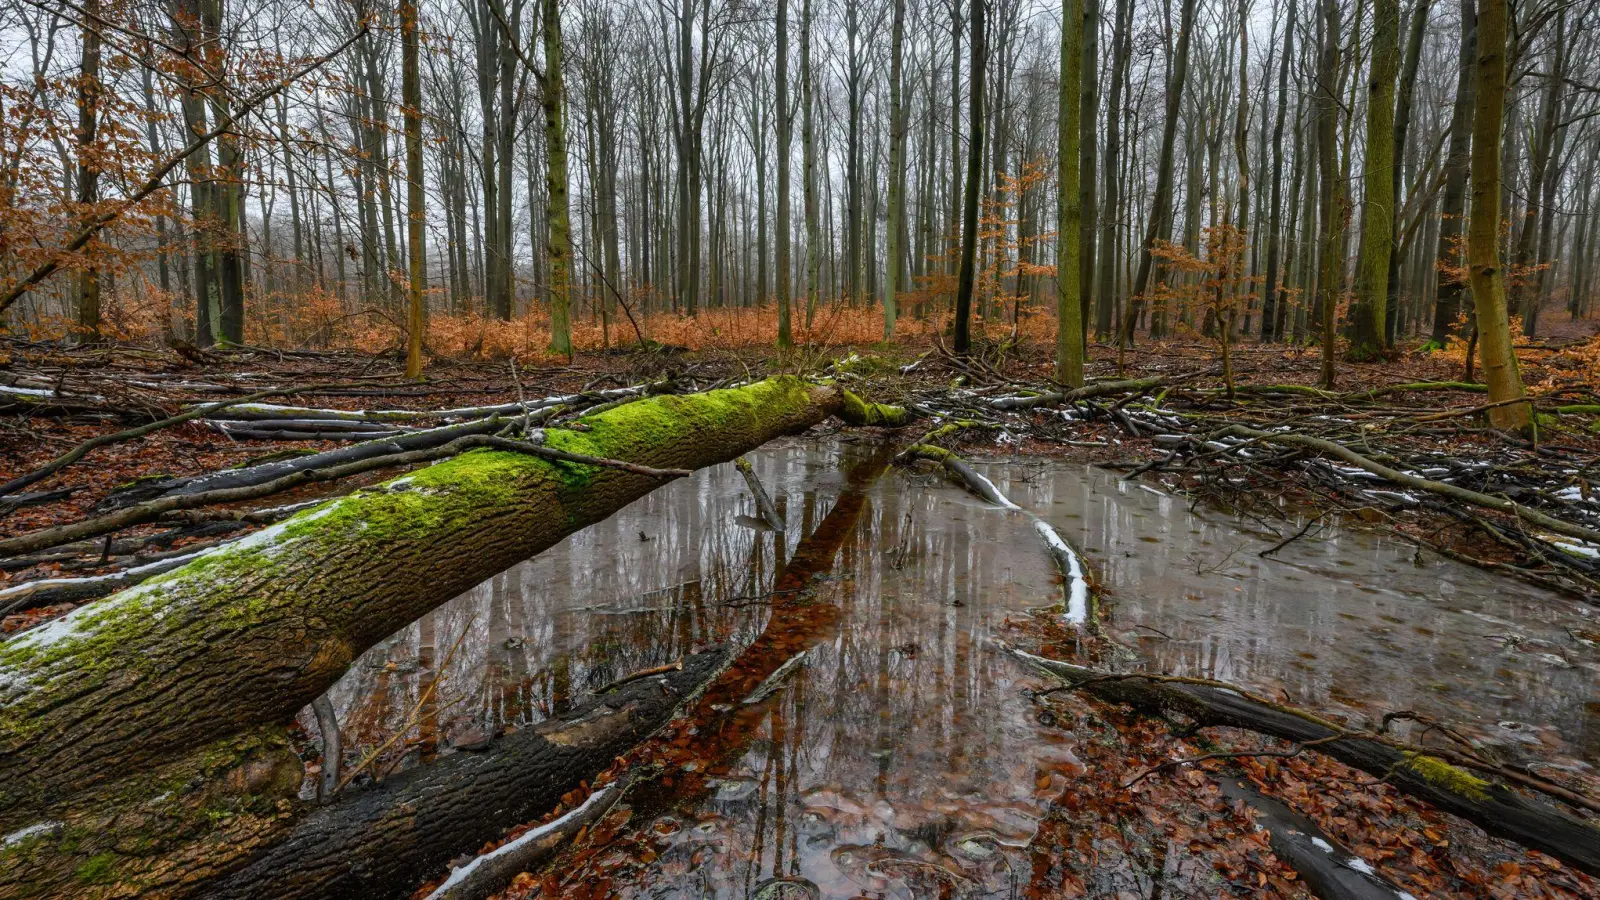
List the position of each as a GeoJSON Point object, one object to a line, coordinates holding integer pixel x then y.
{"type": "Point", "coordinates": [411, 88]}
{"type": "Point", "coordinates": [1332, 208]}
{"type": "Point", "coordinates": [1447, 299]}
{"type": "Point", "coordinates": [1403, 149]}
{"type": "Point", "coordinates": [1369, 325]}
{"type": "Point", "coordinates": [1541, 188]}
{"type": "Point", "coordinates": [87, 305]}
{"type": "Point", "coordinates": [1069, 200]}
{"type": "Point", "coordinates": [1105, 300]}
{"type": "Point", "coordinates": [785, 130]}
{"type": "Point", "coordinates": [1499, 362]}
{"type": "Point", "coordinates": [1271, 291]}
{"type": "Point", "coordinates": [894, 268]}
{"type": "Point", "coordinates": [808, 141]}
{"type": "Point", "coordinates": [1161, 201]}
{"type": "Point", "coordinates": [558, 248]}
{"type": "Point", "coordinates": [1088, 152]}
{"type": "Point", "coordinates": [969, 211]}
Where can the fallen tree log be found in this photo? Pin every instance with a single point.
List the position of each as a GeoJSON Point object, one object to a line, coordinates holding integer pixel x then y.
{"type": "Point", "coordinates": [251, 632]}
{"type": "Point", "coordinates": [387, 839]}
{"type": "Point", "coordinates": [1483, 801]}
{"type": "Point", "coordinates": [1087, 392]}
{"type": "Point", "coordinates": [1328, 868]}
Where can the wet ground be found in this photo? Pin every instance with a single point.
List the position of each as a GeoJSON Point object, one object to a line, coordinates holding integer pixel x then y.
{"type": "Point", "coordinates": [899, 757]}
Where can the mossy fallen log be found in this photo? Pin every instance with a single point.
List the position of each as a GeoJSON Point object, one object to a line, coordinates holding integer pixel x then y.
{"type": "Point", "coordinates": [1476, 797]}
{"type": "Point", "coordinates": [250, 633]}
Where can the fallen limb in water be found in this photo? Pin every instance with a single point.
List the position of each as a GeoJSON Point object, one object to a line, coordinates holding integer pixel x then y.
{"type": "Point", "coordinates": [490, 873]}
{"type": "Point", "coordinates": [1425, 773]}
{"type": "Point", "coordinates": [769, 513]}
{"type": "Point", "coordinates": [1078, 594]}
{"type": "Point", "coordinates": [1328, 868]}
{"type": "Point", "coordinates": [252, 632]}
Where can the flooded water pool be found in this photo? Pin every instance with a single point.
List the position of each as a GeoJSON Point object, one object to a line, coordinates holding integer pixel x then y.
{"type": "Point", "coordinates": [899, 756]}
{"type": "Point", "coordinates": [1342, 620]}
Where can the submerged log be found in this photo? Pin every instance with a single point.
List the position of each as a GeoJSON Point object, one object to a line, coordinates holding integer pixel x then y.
{"type": "Point", "coordinates": [387, 839]}
{"type": "Point", "coordinates": [250, 633]}
{"type": "Point", "coordinates": [1329, 869]}
{"type": "Point", "coordinates": [1484, 802]}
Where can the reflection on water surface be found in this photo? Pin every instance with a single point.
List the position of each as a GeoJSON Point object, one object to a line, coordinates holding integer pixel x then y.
{"type": "Point", "coordinates": [902, 760]}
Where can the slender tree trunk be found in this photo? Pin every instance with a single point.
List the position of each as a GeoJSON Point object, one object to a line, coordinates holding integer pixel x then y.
{"type": "Point", "coordinates": [1447, 299]}
{"type": "Point", "coordinates": [1271, 290]}
{"type": "Point", "coordinates": [1161, 201]}
{"type": "Point", "coordinates": [969, 212]}
{"type": "Point", "coordinates": [785, 130]}
{"type": "Point", "coordinates": [808, 140]}
{"type": "Point", "coordinates": [894, 268]}
{"type": "Point", "coordinates": [87, 306]}
{"type": "Point", "coordinates": [1105, 300]}
{"type": "Point", "coordinates": [1069, 199]}
{"type": "Point", "coordinates": [416, 214]}
{"type": "Point", "coordinates": [1333, 209]}
{"type": "Point", "coordinates": [1088, 152]}
{"type": "Point", "coordinates": [1403, 149]}
{"type": "Point", "coordinates": [1499, 362]}
{"type": "Point", "coordinates": [558, 248]}
{"type": "Point", "coordinates": [1378, 173]}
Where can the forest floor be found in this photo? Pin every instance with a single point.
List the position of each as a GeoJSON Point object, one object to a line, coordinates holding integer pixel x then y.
{"type": "Point", "coordinates": [67, 396]}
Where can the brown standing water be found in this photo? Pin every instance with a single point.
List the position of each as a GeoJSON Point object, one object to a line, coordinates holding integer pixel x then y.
{"type": "Point", "coordinates": [902, 758]}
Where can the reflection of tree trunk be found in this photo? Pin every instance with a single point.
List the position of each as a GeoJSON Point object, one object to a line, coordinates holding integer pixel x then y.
{"type": "Point", "coordinates": [795, 627]}
{"type": "Point", "coordinates": [427, 677]}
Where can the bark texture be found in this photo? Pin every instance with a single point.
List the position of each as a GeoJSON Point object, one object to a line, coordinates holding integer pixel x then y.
{"type": "Point", "coordinates": [253, 631]}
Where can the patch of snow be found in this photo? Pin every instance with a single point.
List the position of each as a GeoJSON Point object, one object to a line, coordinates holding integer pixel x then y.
{"type": "Point", "coordinates": [1360, 865]}
{"type": "Point", "coordinates": [27, 392]}
{"type": "Point", "coordinates": [460, 874]}
{"type": "Point", "coordinates": [1077, 585]}
{"type": "Point", "coordinates": [22, 834]}
{"type": "Point", "coordinates": [1322, 845]}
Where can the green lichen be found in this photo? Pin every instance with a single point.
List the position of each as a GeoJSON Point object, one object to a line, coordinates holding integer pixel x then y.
{"type": "Point", "coordinates": [857, 411]}
{"type": "Point", "coordinates": [1441, 774]}
{"type": "Point", "coordinates": [97, 869]}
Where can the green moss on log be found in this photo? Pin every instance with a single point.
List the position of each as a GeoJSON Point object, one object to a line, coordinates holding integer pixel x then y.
{"type": "Point", "coordinates": [857, 411]}
{"type": "Point", "coordinates": [1447, 777]}
{"type": "Point", "coordinates": [252, 631]}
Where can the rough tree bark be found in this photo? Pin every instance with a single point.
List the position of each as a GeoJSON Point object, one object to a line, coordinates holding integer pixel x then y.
{"type": "Point", "coordinates": [252, 632]}
{"type": "Point", "coordinates": [1069, 200]}
{"type": "Point", "coordinates": [1483, 232]}
{"type": "Point", "coordinates": [1367, 330]}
